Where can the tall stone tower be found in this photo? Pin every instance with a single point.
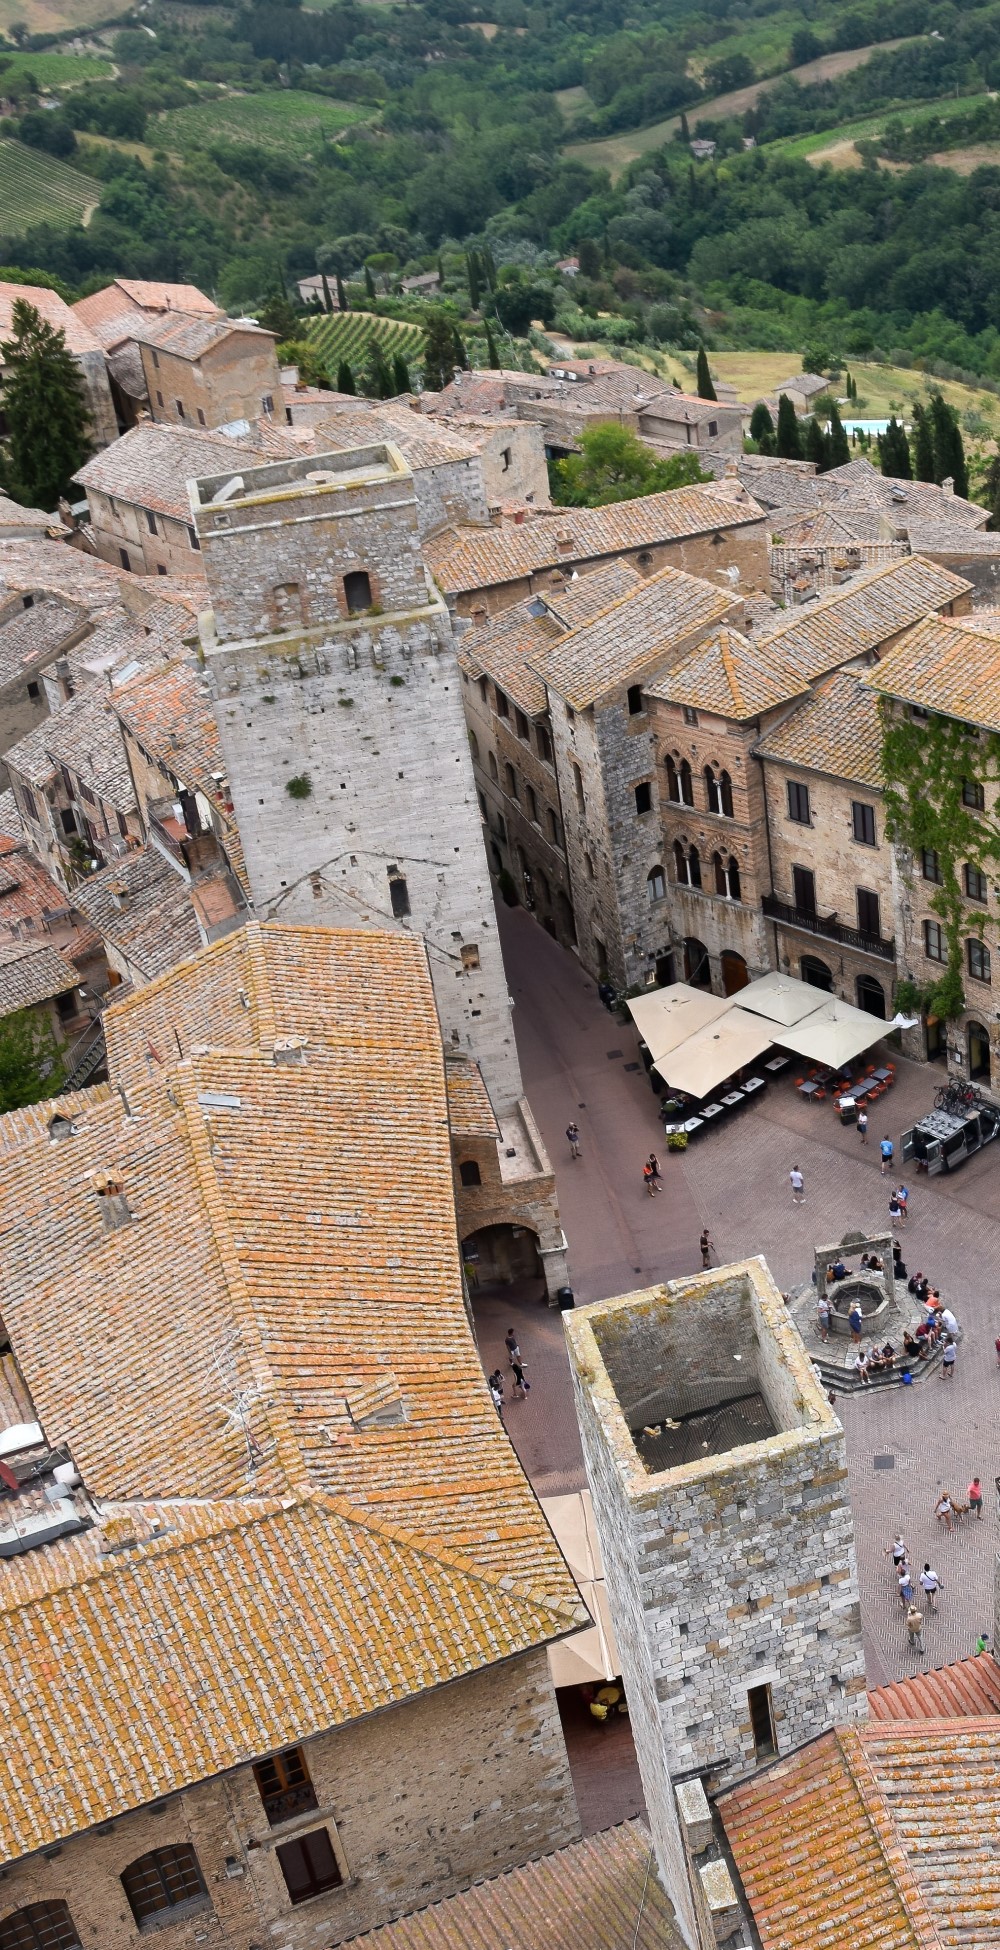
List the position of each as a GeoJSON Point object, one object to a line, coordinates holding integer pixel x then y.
{"type": "Point", "coordinates": [718, 1474]}
{"type": "Point", "coordinates": [339, 706]}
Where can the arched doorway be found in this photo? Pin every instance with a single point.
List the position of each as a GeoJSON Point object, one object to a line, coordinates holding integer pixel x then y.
{"type": "Point", "coordinates": [979, 1052]}
{"type": "Point", "coordinates": [567, 925]}
{"type": "Point", "coordinates": [501, 1255]}
{"type": "Point", "coordinates": [735, 974]}
{"type": "Point", "coordinates": [697, 970]}
{"type": "Point", "coordinates": [871, 996]}
{"type": "Point", "coordinates": [816, 973]}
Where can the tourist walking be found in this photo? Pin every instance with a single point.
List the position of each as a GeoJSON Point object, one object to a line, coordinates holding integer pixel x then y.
{"type": "Point", "coordinates": [887, 1151]}
{"type": "Point", "coordinates": [798, 1185]}
{"type": "Point", "coordinates": [510, 1343]}
{"type": "Point", "coordinates": [930, 1585]}
{"type": "Point", "coordinates": [915, 1628]}
{"type": "Point", "coordinates": [895, 1210]}
{"type": "Point", "coordinates": [654, 1165]}
{"type": "Point", "coordinates": [863, 1126]}
{"type": "Point", "coordinates": [905, 1583]}
{"type": "Point", "coordinates": [496, 1390]}
{"type": "Point", "coordinates": [854, 1322]}
{"type": "Point", "coordinates": [607, 995]}
{"type": "Point", "coordinates": [707, 1248]}
{"type": "Point", "coordinates": [573, 1135]}
{"type": "Point", "coordinates": [943, 1509]}
{"type": "Point", "coordinates": [520, 1379]}
{"type": "Point", "coordinates": [823, 1317]}
{"type": "Point", "coordinates": [904, 1201]}
{"type": "Point", "coordinates": [897, 1551]}
{"type": "Point", "coordinates": [975, 1495]}
{"type": "Point", "coordinates": [948, 1359]}
{"type": "Point", "coordinates": [649, 1179]}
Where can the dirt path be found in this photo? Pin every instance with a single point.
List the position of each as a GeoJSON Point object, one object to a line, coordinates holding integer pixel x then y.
{"type": "Point", "coordinates": [615, 152]}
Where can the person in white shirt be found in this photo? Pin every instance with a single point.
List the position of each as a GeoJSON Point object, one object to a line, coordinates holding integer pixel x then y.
{"type": "Point", "coordinates": [948, 1321]}
{"type": "Point", "coordinates": [930, 1584]}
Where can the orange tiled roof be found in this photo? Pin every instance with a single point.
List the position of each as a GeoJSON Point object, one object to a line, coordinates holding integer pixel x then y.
{"type": "Point", "coordinates": [151, 465]}
{"type": "Point", "coordinates": [966, 1689]}
{"type": "Point", "coordinates": [209, 1365]}
{"type": "Point", "coordinates": [837, 729]}
{"type": "Point", "coordinates": [55, 311]}
{"type": "Point", "coordinates": [599, 1894]}
{"type": "Point", "coordinates": [30, 972]}
{"type": "Point", "coordinates": [729, 675]}
{"type": "Point", "coordinates": [633, 637]}
{"type": "Point", "coordinates": [470, 1112]}
{"type": "Point", "coordinates": [863, 614]}
{"type": "Point", "coordinates": [949, 665]}
{"type": "Point", "coordinates": [500, 648]}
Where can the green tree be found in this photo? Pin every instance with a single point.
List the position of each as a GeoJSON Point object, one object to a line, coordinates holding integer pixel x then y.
{"type": "Point", "coordinates": [949, 447]}
{"type": "Point", "coordinates": [443, 351]}
{"type": "Point", "coordinates": [789, 438]}
{"type": "Point", "coordinates": [472, 273]}
{"type": "Point", "coordinates": [588, 253]}
{"type": "Point", "coordinates": [30, 1066]}
{"type": "Point", "coordinates": [378, 375]}
{"type": "Point", "coordinates": [923, 445]}
{"type": "Point", "coordinates": [312, 367]}
{"type": "Point", "coordinates": [45, 410]}
{"type": "Point", "coordinates": [327, 299]}
{"type": "Point", "coordinates": [840, 451]}
{"type": "Point", "coordinates": [346, 382]}
{"type": "Point", "coordinates": [488, 262]}
{"type": "Point", "coordinates": [894, 452]}
{"type": "Point", "coordinates": [277, 315]}
{"type": "Point", "coordinates": [341, 293]}
{"type": "Point", "coordinates": [400, 374]}
{"type": "Point", "coordinates": [492, 355]}
{"type": "Point", "coordinates": [369, 282]}
{"type": "Point", "coordinates": [615, 466]}
{"type": "Point", "coordinates": [817, 445]}
{"type": "Point", "coordinates": [706, 390]}
{"type": "Point", "coordinates": [762, 428]}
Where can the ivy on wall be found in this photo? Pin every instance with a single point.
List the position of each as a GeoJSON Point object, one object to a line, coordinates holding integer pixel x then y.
{"type": "Point", "coordinates": [926, 764]}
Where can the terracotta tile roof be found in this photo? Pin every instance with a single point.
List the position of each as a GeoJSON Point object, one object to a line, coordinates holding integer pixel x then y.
{"type": "Point", "coordinates": [582, 597]}
{"type": "Point", "coordinates": [277, 1263]}
{"type": "Point", "coordinates": [151, 465]}
{"type": "Point", "coordinates": [85, 736]}
{"type": "Point", "coordinates": [11, 824]}
{"type": "Point", "coordinates": [168, 713]}
{"type": "Point", "coordinates": [420, 440]}
{"type": "Point", "coordinates": [34, 637]}
{"type": "Point", "coordinates": [30, 972]}
{"type": "Point", "coordinates": [499, 648]}
{"type": "Point", "coordinates": [946, 665]}
{"type": "Point", "coordinates": [837, 730]}
{"type": "Point", "coordinates": [633, 637]}
{"type": "Point", "coordinates": [28, 895]}
{"type": "Point", "coordinates": [598, 1894]}
{"type": "Point", "coordinates": [470, 1112]}
{"type": "Point", "coordinates": [465, 559]}
{"type": "Point", "coordinates": [12, 515]}
{"type": "Point", "coordinates": [126, 296]}
{"type": "Point", "coordinates": [30, 1125]}
{"type": "Point", "coordinates": [818, 1858]}
{"type": "Point", "coordinates": [862, 614]}
{"type": "Point", "coordinates": [968, 1689]}
{"type": "Point", "coordinates": [729, 675]}
{"type": "Point", "coordinates": [157, 926]}
{"type": "Point", "coordinates": [55, 311]}
{"type": "Point", "coordinates": [190, 337]}
{"type": "Point", "coordinates": [51, 568]}
{"type": "Point", "coordinates": [947, 537]}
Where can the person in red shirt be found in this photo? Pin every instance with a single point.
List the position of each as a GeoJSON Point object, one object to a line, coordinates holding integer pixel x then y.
{"type": "Point", "coordinates": [975, 1494]}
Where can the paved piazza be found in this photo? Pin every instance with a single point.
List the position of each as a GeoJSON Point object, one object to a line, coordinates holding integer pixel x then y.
{"type": "Point", "coordinates": [574, 1057]}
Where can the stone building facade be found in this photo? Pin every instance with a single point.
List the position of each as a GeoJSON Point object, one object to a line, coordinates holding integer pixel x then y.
{"type": "Point", "coordinates": [138, 509]}
{"type": "Point", "coordinates": [208, 372]}
{"type": "Point", "coordinates": [338, 702]}
{"type": "Point", "coordinates": [731, 1578]}
{"type": "Point", "coordinates": [372, 1789]}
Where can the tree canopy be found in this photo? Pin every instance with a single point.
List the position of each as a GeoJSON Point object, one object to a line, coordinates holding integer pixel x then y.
{"type": "Point", "coordinates": [45, 409]}
{"type": "Point", "coordinates": [615, 466]}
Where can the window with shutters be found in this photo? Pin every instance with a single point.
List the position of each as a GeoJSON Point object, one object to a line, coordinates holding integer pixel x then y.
{"type": "Point", "coordinates": [309, 1865]}
{"type": "Point", "coordinates": [41, 1926]}
{"type": "Point", "coordinates": [863, 821]}
{"type": "Point", "coordinates": [978, 958]}
{"type": "Point", "coordinates": [284, 1785]}
{"type": "Point", "coordinates": [166, 1879]}
{"type": "Point", "coordinates": [798, 802]}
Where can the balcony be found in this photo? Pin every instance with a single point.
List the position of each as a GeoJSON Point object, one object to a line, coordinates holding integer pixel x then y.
{"type": "Point", "coordinates": [829, 927]}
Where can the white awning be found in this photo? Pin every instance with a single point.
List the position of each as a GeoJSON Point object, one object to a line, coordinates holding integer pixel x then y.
{"type": "Point", "coordinates": [835, 1034]}
{"type": "Point", "coordinates": [591, 1655]}
{"type": "Point", "coordinates": [717, 1052]}
{"type": "Point", "coordinates": [665, 1018]}
{"type": "Point", "coordinates": [781, 999]}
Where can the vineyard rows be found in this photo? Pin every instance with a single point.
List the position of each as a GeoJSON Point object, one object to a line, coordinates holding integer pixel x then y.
{"type": "Point", "coordinates": [294, 123]}
{"type": "Point", "coordinates": [36, 188]}
{"type": "Point", "coordinates": [347, 335]}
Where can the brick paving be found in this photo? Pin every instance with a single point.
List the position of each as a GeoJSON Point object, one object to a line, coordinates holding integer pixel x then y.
{"type": "Point", "coordinates": [574, 1056]}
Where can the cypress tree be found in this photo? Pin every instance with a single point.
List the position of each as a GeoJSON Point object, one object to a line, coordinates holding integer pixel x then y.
{"type": "Point", "coordinates": [789, 439]}
{"type": "Point", "coordinates": [762, 428]}
{"type": "Point", "coordinates": [327, 299]}
{"type": "Point", "coordinates": [369, 281]}
{"type": "Point", "coordinates": [472, 273]}
{"type": "Point", "coordinates": [492, 355]}
{"type": "Point", "coordinates": [45, 410]}
{"type": "Point", "coordinates": [839, 450]}
{"type": "Point", "coordinates": [685, 131]}
{"type": "Point", "coordinates": [461, 355]}
{"type": "Point", "coordinates": [346, 382]}
{"type": "Point", "coordinates": [488, 263]}
{"type": "Point", "coordinates": [949, 448]}
{"type": "Point", "coordinates": [894, 452]}
{"type": "Point", "coordinates": [706, 390]}
{"type": "Point", "coordinates": [589, 255]}
{"type": "Point", "coordinates": [817, 445]}
{"type": "Point", "coordinates": [923, 445]}
{"type": "Point", "coordinates": [341, 293]}
{"type": "Point", "coordinates": [400, 374]}
{"type": "Point", "coordinates": [378, 378]}
{"type": "Point", "coordinates": [439, 352]}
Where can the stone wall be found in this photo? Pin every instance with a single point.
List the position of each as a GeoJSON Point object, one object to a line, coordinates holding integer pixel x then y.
{"type": "Point", "coordinates": [736, 1571]}
{"type": "Point", "coordinates": [122, 535]}
{"type": "Point", "coordinates": [232, 380]}
{"type": "Point", "coordinates": [524, 829]}
{"type": "Point", "coordinates": [417, 1802]}
{"type": "Point", "coordinates": [103, 429]}
{"type": "Point", "coordinates": [514, 467]}
{"type": "Point", "coordinates": [707, 556]}
{"type": "Point", "coordinates": [452, 491]}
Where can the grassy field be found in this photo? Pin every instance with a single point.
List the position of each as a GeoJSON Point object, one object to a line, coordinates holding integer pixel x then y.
{"type": "Point", "coordinates": [347, 335]}
{"type": "Point", "coordinates": [836, 146]}
{"type": "Point", "coordinates": [56, 70]}
{"type": "Point", "coordinates": [288, 120]}
{"type": "Point", "coordinates": [56, 16]}
{"type": "Point", "coordinates": [615, 152]}
{"type": "Point", "coordinates": [881, 388]}
{"type": "Point", "coordinates": [35, 188]}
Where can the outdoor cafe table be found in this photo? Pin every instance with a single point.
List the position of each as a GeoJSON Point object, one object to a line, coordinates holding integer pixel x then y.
{"type": "Point", "coordinates": [734, 1097]}
{"type": "Point", "coordinates": [777, 1063]}
{"type": "Point", "coordinates": [753, 1083]}
{"type": "Point", "coordinates": [808, 1089]}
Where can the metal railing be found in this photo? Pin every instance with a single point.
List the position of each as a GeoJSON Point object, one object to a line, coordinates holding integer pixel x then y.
{"type": "Point", "coordinates": [829, 927]}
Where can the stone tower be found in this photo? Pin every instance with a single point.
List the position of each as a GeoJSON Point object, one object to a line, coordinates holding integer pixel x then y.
{"type": "Point", "coordinates": [718, 1474]}
{"type": "Point", "coordinates": [339, 706]}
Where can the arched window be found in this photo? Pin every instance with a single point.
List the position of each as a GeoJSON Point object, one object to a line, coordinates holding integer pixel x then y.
{"type": "Point", "coordinates": [733, 878]}
{"type": "Point", "coordinates": [712, 790]}
{"type": "Point", "coordinates": [979, 1051]}
{"type": "Point", "coordinates": [673, 783]}
{"type": "Point", "coordinates": [165, 1879]}
{"type": "Point", "coordinates": [469, 1172]}
{"type": "Point", "coordinates": [871, 996]}
{"type": "Point", "coordinates": [697, 968]}
{"type": "Point", "coordinates": [721, 886]}
{"type": "Point", "coordinates": [686, 783]}
{"type": "Point", "coordinates": [719, 792]}
{"type": "Point", "coordinates": [510, 779]}
{"type": "Point", "coordinates": [474, 746]}
{"type": "Point", "coordinates": [357, 592]}
{"type": "Point", "coordinates": [816, 973]}
{"type": "Point", "coordinates": [726, 795]}
{"type": "Point", "coordinates": [680, 864]}
{"type": "Point", "coordinates": [687, 864]}
{"type": "Point", "coordinates": [494, 774]}
{"type": "Point", "coordinates": [694, 867]}
{"type": "Point", "coordinates": [656, 884]}
{"type": "Point", "coordinates": [680, 787]}
{"type": "Point", "coordinates": [41, 1926]}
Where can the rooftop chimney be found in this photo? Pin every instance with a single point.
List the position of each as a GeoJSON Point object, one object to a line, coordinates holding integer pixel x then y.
{"type": "Point", "coordinates": [948, 484]}
{"type": "Point", "coordinates": [112, 1201]}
